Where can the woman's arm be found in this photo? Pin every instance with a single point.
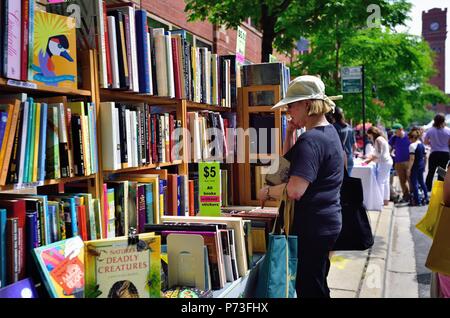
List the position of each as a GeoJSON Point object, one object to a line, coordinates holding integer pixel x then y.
{"type": "Point", "coordinates": [296, 187]}
{"type": "Point", "coordinates": [410, 164]}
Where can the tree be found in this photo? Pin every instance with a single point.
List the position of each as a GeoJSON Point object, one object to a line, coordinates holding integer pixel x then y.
{"type": "Point", "coordinates": [283, 22]}
{"type": "Point", "coordinates": [397, 67]}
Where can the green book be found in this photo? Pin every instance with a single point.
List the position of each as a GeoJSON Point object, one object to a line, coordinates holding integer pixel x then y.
{"type": "Point", "coordinates": [30, 142]}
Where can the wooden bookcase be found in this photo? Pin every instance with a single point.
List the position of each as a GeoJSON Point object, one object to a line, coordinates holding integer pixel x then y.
{"type": "Point", "coordinates": [88, 92]}
{"type": "Point", "coordinates": [181, 107]}
{"type": "Point", "coordinates": [245, 110]}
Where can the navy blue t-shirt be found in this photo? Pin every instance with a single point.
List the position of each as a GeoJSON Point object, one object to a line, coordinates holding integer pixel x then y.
{"type": "Point", "coordinates": [317, 157]}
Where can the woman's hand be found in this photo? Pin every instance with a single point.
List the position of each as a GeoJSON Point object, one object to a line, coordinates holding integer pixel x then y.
{"type": "Point", "coordinates": [262, 195]}
{"type": "Point", "coordinates": [291, 127]}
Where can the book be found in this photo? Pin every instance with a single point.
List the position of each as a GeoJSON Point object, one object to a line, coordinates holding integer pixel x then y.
{"type": "Point", "coordinates": [61, 265]}
{"type": "Point", "coordinates": [117, 269]}
{"type": "Point", "coordinates": [186, 260]}
{"type": "Point", "coordinates": [278, 171]}
{"type": "Point", "coordinates": [21, 289]}
{"type": "Point", "coordinates": [55, 47]}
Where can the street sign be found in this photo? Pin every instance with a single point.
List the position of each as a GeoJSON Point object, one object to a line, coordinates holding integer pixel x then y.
{"type": "Point", "coordinates": [209, 188]}
{"type": "Point", "coordinates": [351, 79]}
{"type": "Point", "coordinates": [240, 45]}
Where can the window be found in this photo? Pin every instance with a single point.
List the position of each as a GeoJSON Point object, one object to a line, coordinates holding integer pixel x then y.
{"type": "Point", "coordinates": [200, 43]}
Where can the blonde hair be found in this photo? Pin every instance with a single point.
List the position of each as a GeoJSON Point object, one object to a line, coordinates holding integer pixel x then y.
{"type": "Point", "coordinates": [319, 107]}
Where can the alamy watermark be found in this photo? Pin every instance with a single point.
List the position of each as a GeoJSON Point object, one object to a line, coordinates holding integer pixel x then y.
{"type": "Point", "coordinates": [374, 19]}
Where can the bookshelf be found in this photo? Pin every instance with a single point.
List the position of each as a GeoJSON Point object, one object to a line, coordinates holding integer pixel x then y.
{"type": "Point", "coordinates": [88, 92]}
{"type": "Point", "coordinates": [245, 110]}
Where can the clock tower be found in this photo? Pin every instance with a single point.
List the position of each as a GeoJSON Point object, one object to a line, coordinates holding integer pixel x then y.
{"type": "Point", "coordinates": [434, 31]}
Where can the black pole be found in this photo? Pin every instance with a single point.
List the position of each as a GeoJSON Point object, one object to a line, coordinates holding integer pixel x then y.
{"type": "Point", "coordinates": [363, 110]}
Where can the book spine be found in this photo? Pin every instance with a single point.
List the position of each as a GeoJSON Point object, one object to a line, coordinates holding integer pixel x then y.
{"type": "Point", "coordinates": [123, 136]}
{"type": "Point", "coordinates": [105, 212]}
{"type": "Point", "coordinates": [42, 143]}
{"type": "Point", "coordinates": [12, 245]}
{"type": "Point", "coordinates": [134, 58]}
{"type": "Point", "coordinates": [37, 132]}
{"type": "Point", "coordinates": [13, 39]}
{"type": "Point", "coordinates": [78, 145]}
{"type": "Point", "coordinates": [114, 52]}
{"type": "Point", "coordinates": [149, 204]}
{"type": "Point", "coordinates": [141, 208]}
{"type": "Point", "coordinates": [107, 48]}
{"type": "Point", "coordinates": [127, 30]}
{"type": "Point", "coordinates": [191, 198]}
{"type": "Point", "coordinates": [176, 73]}
{"type": "Point", "coordinates": [24, 39]}
{"type": "Point", "coordinates": [142, 55]}
{"type": "Point", "coordinates": [63, 143]}
{"type": "Point", "coordinates": [101, 47]}
{"type": "Point", "coordinates": [13, 174]}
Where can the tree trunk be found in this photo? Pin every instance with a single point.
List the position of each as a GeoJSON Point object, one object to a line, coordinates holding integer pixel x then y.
{"type": "Point", "coordinates": [268, 29]}
{"type": "Point", "coordinates": [338, 46]}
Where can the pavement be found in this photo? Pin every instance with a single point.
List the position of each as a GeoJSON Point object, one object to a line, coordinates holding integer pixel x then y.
{"type": "Point", "coordinates": [393, 267]}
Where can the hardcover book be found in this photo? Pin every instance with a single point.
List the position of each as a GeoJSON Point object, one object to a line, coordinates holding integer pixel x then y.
{"type": "Point", "coordinates": [61, 265]}
{"type": "Point", "coordinates": [117, 269]}
{"type": "Point", "coordinates": [55, 47]}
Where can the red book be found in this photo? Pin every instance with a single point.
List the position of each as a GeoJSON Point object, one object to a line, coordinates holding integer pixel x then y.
{"type": "Point", "coordinates": [24, 40]}
{"type": "Point", "coordinates": [82, 224]}
{"type": "Point", "coordinates": [176, 70]}
{"type": "Point", "coordinates": [16, 209]}
{"type": "Point", "coordinates": [108, 52]}
{"type": "Point", "coordinates": [105, 212]}
{"type": "Point", "coordinates": [191, 198]}
{"type": "Point", "coordinates": [172, 194]}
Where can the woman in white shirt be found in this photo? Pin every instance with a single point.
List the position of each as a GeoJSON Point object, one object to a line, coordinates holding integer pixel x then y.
{"type": "Point", "coordinates": [383, 158]}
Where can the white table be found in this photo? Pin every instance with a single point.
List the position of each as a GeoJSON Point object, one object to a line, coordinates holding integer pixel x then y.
{"type": "Point", "coordinates": [373, 200]}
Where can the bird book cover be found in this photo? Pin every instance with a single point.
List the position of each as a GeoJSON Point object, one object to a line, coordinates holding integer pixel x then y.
{"type": "Point", "coordinates": [118, 268]}
{"type": "Point", "coordinates": [61, 265]}
{"type": "Point", "coordinates": [54, 51]}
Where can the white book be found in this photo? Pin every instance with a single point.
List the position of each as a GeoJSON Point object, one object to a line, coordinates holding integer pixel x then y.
{"type": "Point", "coordinates": [232, 241]}
{"type": "Point", "coordinates": [150, 67]}
{"type": "Point", "coordinates": [195, 137]}
{"type": "Point", "coordinates": [227, 82]}
{"type": "Point", "coordinates": [23, 142]}
{"type": "Point", "coordinates": [169, 64]}
{"type": "Point", "coordinates": [103, 75]}
{"type": "Point", "coordinates": [198, 75]}
{"type": "Point", "coordinates": [161, 67]}
{"type": "Point", "coordinates": [128, 130]}
{"type": "Point", "coordinates": [12, 40]}
{"type": "Point", "coordinates": [215, 79]}
{"type": "Point", "coordinates": [117, 158]}
{"type": "Point", "coordinates": [167, 135]}
{"type": "Point", "coordinates": [113, 51]}
{"type": "Point", "coordinates": [134, 141]}
{"type": "Point", "coordinates": [226, 255]}
{"type": "Point", "coordinates": [109, 126]}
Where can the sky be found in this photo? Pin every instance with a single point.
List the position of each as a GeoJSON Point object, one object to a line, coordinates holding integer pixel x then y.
{"type": "Point", "coordinates": [414, 26]}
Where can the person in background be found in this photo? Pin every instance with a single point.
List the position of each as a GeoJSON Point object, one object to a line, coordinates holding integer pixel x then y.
{"type": "Point", "coordinates": [438, 137]}
{"type": "Point", "coordinates": [400, 143]}
{"type": "Point", "coordinates": [347, 136]}
{"type": "Point", "coordinates": [416, 167]}
{"type": "Point", "coordinates": [384, 161]}
{"type": "Point", "coordinates": [315, 178]}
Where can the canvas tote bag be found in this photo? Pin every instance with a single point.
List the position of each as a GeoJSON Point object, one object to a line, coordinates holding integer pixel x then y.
{"type": "Point", "coordinates": [438, 259]}
{"type": "Point", "coordinates": [428, 223]}
{"type": "Point", "coordinates": [278, 271]}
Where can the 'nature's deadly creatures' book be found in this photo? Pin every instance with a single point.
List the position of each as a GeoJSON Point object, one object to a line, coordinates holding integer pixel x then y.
{"type": "Point", "coordinates": [117, 269]}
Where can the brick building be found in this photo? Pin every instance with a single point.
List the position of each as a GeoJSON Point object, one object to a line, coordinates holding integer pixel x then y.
{"type": "Point", "coordinates": [170, 15]}
{"type": "Point", "coordinates": [434, 31]}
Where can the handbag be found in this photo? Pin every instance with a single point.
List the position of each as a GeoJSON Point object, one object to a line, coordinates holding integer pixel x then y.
{"type": "Point", "coordinates": [356, 232]}
{"type": "Point", "coordinates": [438, 259]}
{"type": "Point", "coordinates": [428, 223]}
{"type": "Point", "coordinates": [278, 270]}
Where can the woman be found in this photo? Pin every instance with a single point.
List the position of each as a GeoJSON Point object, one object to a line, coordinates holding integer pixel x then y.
{"type": "Point", "coordinates": [347, 136]}
{"type": "Point", "coordinates": [383, 158]}
{"type": "Point", "coordinates": [438, 137]}
{"type": "Point", "coordinates": [416, 166]}
{"type": "Point", "coordinates": [315, 178]}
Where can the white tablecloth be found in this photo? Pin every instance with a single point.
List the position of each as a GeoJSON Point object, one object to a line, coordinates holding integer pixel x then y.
{"type": "Point", "coordinates": [373, 199]}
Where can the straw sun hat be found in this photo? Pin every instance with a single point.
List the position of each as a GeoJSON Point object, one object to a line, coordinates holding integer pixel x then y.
{"type": "Point", "coordinates": [306, 87]}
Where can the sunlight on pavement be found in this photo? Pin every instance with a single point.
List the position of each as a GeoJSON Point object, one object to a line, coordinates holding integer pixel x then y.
{"type": "Point", "coordinates": [339, 261]}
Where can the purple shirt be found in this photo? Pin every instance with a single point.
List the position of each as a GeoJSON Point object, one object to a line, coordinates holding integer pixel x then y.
{"type": "Point", "coordinates": [438, 138]}
{"type": "Point", "coordinates": [401, 147]}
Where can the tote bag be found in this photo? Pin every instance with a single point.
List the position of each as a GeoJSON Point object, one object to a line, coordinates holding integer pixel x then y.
{"type": "Point", "coordinates": [356, 232]}
{"type": "Point", "coordinates": [428, 223]}
{"type": "Point", "coordinates": [438, 259]}
{"type": "Point", "coordinates": [278, 271]}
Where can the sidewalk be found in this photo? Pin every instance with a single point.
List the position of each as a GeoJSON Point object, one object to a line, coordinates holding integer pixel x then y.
{"type": "Point", "coordinates": [362, 274]}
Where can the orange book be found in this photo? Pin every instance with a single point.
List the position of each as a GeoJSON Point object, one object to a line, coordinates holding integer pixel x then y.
{"type": "Point", "coordinates": [13, 109]}
{"type": "Point", "coordinates": [191, 198]}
